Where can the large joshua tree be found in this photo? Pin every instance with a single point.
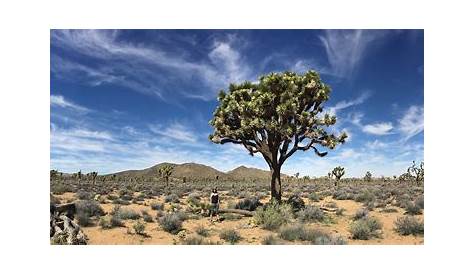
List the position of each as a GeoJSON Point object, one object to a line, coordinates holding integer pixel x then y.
{"type": "Point", "coordinates": [276, 117]}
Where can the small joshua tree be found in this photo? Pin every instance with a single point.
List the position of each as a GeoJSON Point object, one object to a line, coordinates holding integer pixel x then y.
{"type": "Point", "coordinates": [338, 172]}
{"type": "Point", "coordinates": [277, 116]}
{"type": "Point", "coordinates": [417, 172]}
{"type": "Point", "coordinates": [306, 178]}
{"type": "Point", "coordinates": [53, 174]}
{"type": "Point", "coordinates": [297, 175]}
{"type": "Point", "coordinates": [368, 176]}
{"type": "Point", "coordinates": [93, 176]}
{"type": "Point", "coordinates": [165, 172]}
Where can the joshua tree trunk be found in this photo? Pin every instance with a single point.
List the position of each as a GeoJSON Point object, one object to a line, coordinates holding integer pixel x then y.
{"type": "Point", "coordinates": [276, 183]}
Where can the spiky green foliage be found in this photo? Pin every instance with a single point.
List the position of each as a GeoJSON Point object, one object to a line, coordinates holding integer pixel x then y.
{"type": "Point", "coordinates": [165, 172]}
{"type": "Point", "coordinates": [276, 117]}
{"type": "Point", "coordinates": [338, 172]}
{"type": "Point", "coordinates": [368, 176]}
{"type": "Point", "coordinates": [417, 172]}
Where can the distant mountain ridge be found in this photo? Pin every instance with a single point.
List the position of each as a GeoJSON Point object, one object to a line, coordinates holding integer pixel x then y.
{"type": "Point", "coordinates": [200, 171]}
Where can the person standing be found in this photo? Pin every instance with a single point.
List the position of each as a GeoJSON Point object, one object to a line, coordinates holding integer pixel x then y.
{"type": "Point", "coordinates": [214, 205]}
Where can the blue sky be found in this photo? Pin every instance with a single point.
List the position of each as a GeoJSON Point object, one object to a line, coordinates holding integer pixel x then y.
{"type": "Point", "coordinates": [128, 99]}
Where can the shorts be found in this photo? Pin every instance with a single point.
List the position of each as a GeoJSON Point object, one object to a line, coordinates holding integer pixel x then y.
{"type": "Point", "coordinates": [214, 210]}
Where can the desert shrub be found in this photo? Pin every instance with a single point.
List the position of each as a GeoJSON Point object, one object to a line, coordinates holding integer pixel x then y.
{"type": "Point", "coordinates": [128, 214]}
{"type": "Point", "coordinates": [295, 202]}
{"type": "Point", "coordinates": [171, 222]}
{"type": "Point", "coordinates": [139, 228]}
{"type": "Point", "coordinates": [230, 216]}
{"type": "Point", "coordinates": [202, 231]}
{"type": "Point", "coordinates": [60, 188]}
{"type": "Point", "coordinates": [105, 223]}
{"type": "Point", "coordinates": [172, 198]}
{"type": "Point", "coordinates": [89, 207]}
{"type": "Point", "coordinates": [315, 197]}
{"type": "Point", "coordinates": [389, 210]}
{"type": "Point", "coordinates": [365, 197]}
{"type": "Point", "coordinates": [325, 239]}
{"type": "Point", "coordinates": [409, 225]}
{"type": "Point", "coordinates": [126, 197]}
{"type": "Point", "coordinates": [361, 213]}
{"type": "Point", "coordinates": [342, 194]}
{"type": "Point", "coordinates": [121, 202]}
{"type": "Point", "coordinates": [248, 204]}
{"type": "Point", "coordinates": [420, 202]}
{"type": "Point", "coordinates": [273, 215]}
{"type": "Point", "coordinates": [83, 218]}
{"type": "Point", "coordinates": [194, 199]}
{"type": "Point", "coordinates": [412, 208]}
{"type": "Point", "coordinates": [193, 240]}
{"type": "Point", "coordinates": [110, 221]}
{"type": "Point", "coordinates": [315, 236]}
{"type": "Point", "coordinates": [84, 195]}
{"type": "Point", "coordinates": [157, 206]}
{"type": "Point", "coordinates": [294, 232]}
{"type": "Point", "coordinates": [270, 240]}
{"type": "Point", "coordinates": [365, 228]}
{"type": "Point", "coordinates": [146, 216]}
{"type": "Point", "coordinates": [230, 235]}
{"type": "Point", "coordinates": [112, 197]}
{"type": "Point", "coordinates": [311, 214]}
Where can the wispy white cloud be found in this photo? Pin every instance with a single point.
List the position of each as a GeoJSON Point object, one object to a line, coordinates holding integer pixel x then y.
{"type": "Point", "coordinates": [345, 104]}
{"type": "Point", "coordinates": [345, 49]}
{"type": "Point", "coordinates": [147, 69]}
{"type": "Point", "coordinates": [378, 128]}
{"type": "Point", "coordinates": [176, 131]}
{"type": "Point", "coordinates": [412, 122]}
{"type": "Point", "coordinates": [60, 101]}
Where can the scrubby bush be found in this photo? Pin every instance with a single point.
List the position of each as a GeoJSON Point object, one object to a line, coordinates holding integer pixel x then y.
{"type": "Point", "coordinates": [342, 194]}
{"type": "Point", "coordinates": [365, 228]}
{"type": "Point", "coordinates": [202, 231]}
{"type": "Point", "coordinates": [146, 216]}
{"type": "Point", "coordinates": [194, 199]}
{"type": "Point", "coordinates": [193, 240]}
{"type": "Point", "coordinates": [315, 236]}
{"type": "Point", "coordinates": [84, 195]}
{"type": "Point", "coordinates": [311, 214]}
{"type": "Point", "coordinates": [230, 235]}
{"type": "Point", "coordinates": [315, 197]}
{"type": "Point", "coordinates": [248, 204]}
{"type": "Point", "coordinates": [412, 208]}
{"type": "Point", "coordinates": [295, 202]}
{"type": "Point", "coordinates": [409, 225]}
{"type": "Point", "coordinates": [365, 196]}
{"type": "Point", "coordinates": [157, 206]}
{"type": "Point", "coordinates": [128, 214]}
{"type": "Point", "coordinates": [172, 198]}
{"type": "Point", "coordinates": [361, 213]}
{"type": "Point", "coordinates": [60, 188]}
{"type": "Point", "coordinates": [270, 240]}
{"type": "Point", "coordinates": [83, 218]}
{"type": "Point", "coordinates": [89, 207]}
{"type": "Point", "coordinates": [273, 215]}
{"type": "Point", "coordinates": [110, 221]}
{"type": "Point", "coordinates": [420, 202]}
{"type": "Point", "coordinates": [171, 222]}
{"type": "Point", "coordinates": [139, 228]}
{"type": "Point", "coordinates": [294, 232]}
